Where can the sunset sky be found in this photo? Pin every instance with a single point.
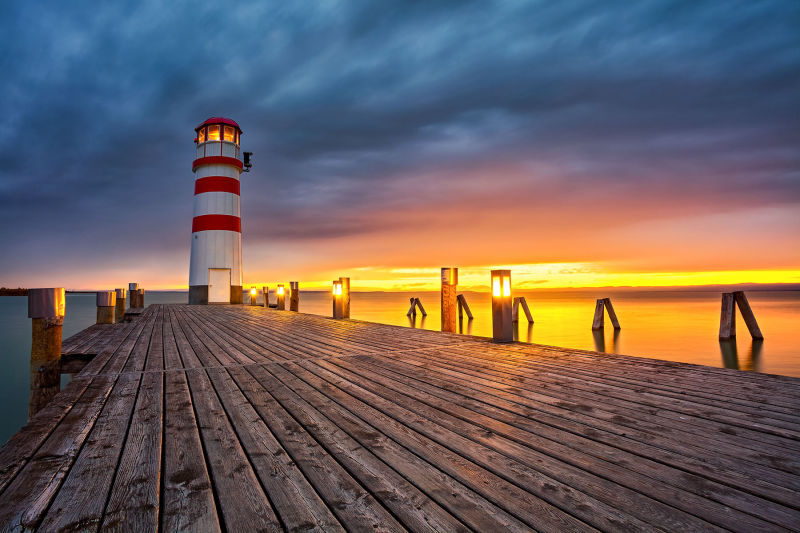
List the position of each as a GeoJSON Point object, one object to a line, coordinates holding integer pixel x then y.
{"type": "Point", "coordinates": [578, 143]}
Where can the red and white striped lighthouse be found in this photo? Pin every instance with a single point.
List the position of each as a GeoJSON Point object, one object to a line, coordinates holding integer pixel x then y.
{"type": "Point", "coordinates": [215, 270]}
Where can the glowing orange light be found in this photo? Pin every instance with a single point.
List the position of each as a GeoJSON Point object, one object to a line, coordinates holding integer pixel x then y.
{"type": "Point", "coordinates": [506, 287]}
{"type": "Point", "coordinates": [213, 133]}
{"type": "Point", "coordinates": [495, 286]}
{"type": "Point", "coordinates": [279, 290]}
{"type": "Point", "coordinates": [253, 291]}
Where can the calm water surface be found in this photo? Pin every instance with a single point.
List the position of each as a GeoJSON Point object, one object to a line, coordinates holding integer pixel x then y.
{"type": "Point", "coordinates": [673, 325]}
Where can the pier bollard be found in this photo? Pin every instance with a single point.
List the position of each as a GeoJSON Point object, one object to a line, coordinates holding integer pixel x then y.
{"type": "Point", "coordinates": [294, 296]}
{"type": "Point", "coordinates": [46, 309]}
{"type": "Point", "coordinates": [449, 299]}
{"type": "Point", "coordinates": [119, 312]}
{"type": "Point", "coordinates": [106, 301]}
{"type": "Point", "coordinates": [265, 290]}
{"type": "Point", "coordinates": [502, 325]}
{"type": "Point", "coordinates": [280, 294]}
{"type": "Point", "coordinates": [345, 297]}
{"type": "Point", "coordinates": [132, 294]}
{"type": "Point", "coordinates": [140, 298]}
{"type": "Point", "coordinates": [337, 299]}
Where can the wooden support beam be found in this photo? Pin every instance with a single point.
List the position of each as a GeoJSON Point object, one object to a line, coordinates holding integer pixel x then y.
{"type": "Point", "coordinates": [747, 314]}
{"type": "Point", "coordinates": [119, 311]}
{"type": "Point", "coordinates": [599, 318]}
{"type": "Point", "coordinates": [421, 309]}
{"type": "Point", "coordinates": [132, 294]}
{"type": "Point", "coordinates": [611, 313]}
{"type": "Point", "coordinates": [727, 317]}
{"type": "Point", "coordinates": [106, 301]}
{"type": "Point", "coordinates": [463, 307]}
{"type": "Point", "coordinates": [294, 296]}
{"type": "Point", "coordinates": [412, 311]}
{"type": "Point", "coordinates": [449, 299]}
{"type": "Point", "coordinates": [521, 301]}
{"type": "Point", "coordinates": [46, 309]}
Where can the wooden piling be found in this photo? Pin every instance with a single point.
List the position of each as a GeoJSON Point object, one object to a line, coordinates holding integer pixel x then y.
{"type": "Point", "coordinates": [611, 313]}
{"type": "Point", "coordinates": [133, 294]}
{"type": "Point", "coordinates": [106, 301]}
{"type": "Point", "coordinates": [449, 299]}
{"type": "Point", "coordinates": [46, 309]}
{"type": "Point", "coordinates": [521, 301]}
{"type": "Point", "coordinates": [599, 315]}
{"type": "Point", "coordinates": [119, 311]}
{"type": "Point", "coordinates": [747, 315]}
{"type": "Point", "coordinates": [280, 294]}
{"type": "Point", "coordinates": [727, 317]}
{"type": "Point", "coordinates": [294, 296]}
{"type": "Point", "coordinates": [463, 307]}
{"type": "Point", "coordinates": [265, 290]}
{"type": "Point", "coordinates": [345, 297]}
{"type": "Point", "coordinates": [502, 325]}
{"type": "Point", "coordinates": [140, 298]}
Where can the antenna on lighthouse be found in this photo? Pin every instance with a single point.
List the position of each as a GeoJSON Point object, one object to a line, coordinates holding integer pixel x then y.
{"type": "Point", "coordinates": [247, 164]}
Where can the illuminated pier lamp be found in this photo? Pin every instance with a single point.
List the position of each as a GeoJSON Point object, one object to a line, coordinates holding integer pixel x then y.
{"type": "Point", "coordinates": [502, 325]}
{"type": "Point", "coordinates": [280, 294]}
{"type": "Point", "coordinates": [338, 310]}
{"type": "Point", "coordinates": [253, 295]}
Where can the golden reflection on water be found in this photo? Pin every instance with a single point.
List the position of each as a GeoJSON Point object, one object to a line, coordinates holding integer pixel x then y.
{"type": "Point", "coordinates": [674, 325]}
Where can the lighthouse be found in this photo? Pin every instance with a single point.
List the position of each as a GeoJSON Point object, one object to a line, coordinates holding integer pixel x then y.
{"type": "Point", "coordinates": [215, 269]}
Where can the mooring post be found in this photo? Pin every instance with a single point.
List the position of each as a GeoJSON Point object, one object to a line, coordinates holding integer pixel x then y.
{"type": "Point", "coordinates": [502, 326]}
{"type": "Point", "coordinates": [463, 307]}
{"type": "Point", "coordinates": [412, 311]}
{"type": "Point", "coordinates": [133, 294]}
{"type": "Point", "coordinates": [747, 314]}
{"type": "Point", "coordinates": [119, 312]}
{"type": "Point", "coordinates": [345, 297]}
{"type": "Point", "coordinates": [611, 313]}
{"type": "Point", "coordinates": [106, 301]}
{"type": "Point", "coordinates": [280, 294]}
{"type": "Point", "coordinates": [599, 316]}
{"type": "Point", "coordinates": [449, 299]}
{"type": "Point", "coordinates": [336, 293]}
{"type": "Point", "coordinates": [46, 309]}
{"type": "Point", "coordinates": [727, 317]}
{"type": "Point", "coordinates": [294, 296]}
{"type": "Point", "coordinates": [140, 298]}
{"type": "Point", "coordinates": [265, 290]}
{"type": "Point", "coordinates": [521, 301]}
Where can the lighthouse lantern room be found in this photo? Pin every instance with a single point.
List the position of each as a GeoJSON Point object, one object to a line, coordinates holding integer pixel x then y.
{"type": "Point", "coordinates": [215, 269]}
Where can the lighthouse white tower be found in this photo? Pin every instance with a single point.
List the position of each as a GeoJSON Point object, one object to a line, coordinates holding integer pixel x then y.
{"type": "Point", "coordinates": [215, 270]}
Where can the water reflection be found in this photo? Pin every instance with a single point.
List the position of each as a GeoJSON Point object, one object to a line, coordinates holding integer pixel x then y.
{"type": "Point", "coordinates": [600, 340]}
{"type": "Point", "coordinates": [461, 326]}
{"type": "Point", "coordinates": [529, 333]}
{"type": "Point", "coordinates": [412, 321]}
{"type": "Point", "coordinates": [730, 355]}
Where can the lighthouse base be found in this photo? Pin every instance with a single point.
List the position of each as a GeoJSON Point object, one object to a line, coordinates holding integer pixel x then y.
{"type": "Point", "coordinates": [198, 294]}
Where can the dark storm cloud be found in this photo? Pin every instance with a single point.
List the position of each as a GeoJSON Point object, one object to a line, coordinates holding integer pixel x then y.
{"type": "Point", "coordinates": [340, 99]}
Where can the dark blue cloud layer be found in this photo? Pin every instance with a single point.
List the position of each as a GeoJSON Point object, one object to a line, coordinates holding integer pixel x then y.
{"type": "Point", "coordinates": [338, 99]}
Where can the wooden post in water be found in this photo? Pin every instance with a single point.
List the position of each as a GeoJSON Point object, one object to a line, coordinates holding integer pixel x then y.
{"type": "Point", "coordinates": [46, 309]}
{"type": "Point", "coordinates": [280, 294]}
{"type": "Point", "coordinates": [336, 294]}
{"type": "Point", "coordinates": [463, 307]}
{"type": "Point", "coordinates": [747, 314]}
{"type": "Point", "coordinates": [106, 301]}
{"type": "Point", "coordinates": [345, 297]}
{"type": "Point", "coordinates": [515, 309]}
{"type": "Point", "coordinates": [119, 312]}
{"type": "Point", "coordinates": [502, 325]}
{"type": "Point", "coordinates": [133, 294]}
{"type": "Point", "coordinates": [727, 317]}
{"type": "Point", "coordinates": [599, 314]}
{"type": "Point", "coordinates": [294, 296]}
{"type": "Point", "coordinates": [449, 299]}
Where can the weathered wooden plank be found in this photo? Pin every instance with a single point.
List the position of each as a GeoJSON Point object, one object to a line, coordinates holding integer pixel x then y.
{"type": "Point", "coordinates": [747, 314]}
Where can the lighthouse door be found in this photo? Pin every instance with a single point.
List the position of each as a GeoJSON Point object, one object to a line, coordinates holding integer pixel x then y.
{"type": "Point", "coordinates": [219, 285]}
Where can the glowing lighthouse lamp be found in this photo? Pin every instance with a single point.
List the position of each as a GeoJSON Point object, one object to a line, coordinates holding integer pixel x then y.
{"type": "Point", "coordinates": [502, 326]}
{"type": "Point", "coordinates": [215, 271]}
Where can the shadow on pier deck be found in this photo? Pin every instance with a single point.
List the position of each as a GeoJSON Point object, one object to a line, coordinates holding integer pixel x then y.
{"type": "Point", "coordinates": [244, 418]}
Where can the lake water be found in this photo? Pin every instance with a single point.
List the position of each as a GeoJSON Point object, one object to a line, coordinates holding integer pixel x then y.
{"type": "Point", "coordinates": [673, 325]}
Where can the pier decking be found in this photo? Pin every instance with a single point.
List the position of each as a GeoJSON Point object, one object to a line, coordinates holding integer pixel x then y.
{"type": "Point", "coordinates": [241, 418]}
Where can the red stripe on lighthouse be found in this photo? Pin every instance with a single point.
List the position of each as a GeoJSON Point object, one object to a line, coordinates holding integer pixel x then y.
{"type": "Point", "coordinates": [216, 184]}
{"type": "Point", "coordinates": [217, 160]}
{"type": "Point", "coordinates": [216, 222]}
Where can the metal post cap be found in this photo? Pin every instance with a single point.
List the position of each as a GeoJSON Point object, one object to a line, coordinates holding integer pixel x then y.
{"type": "Point", "coordinates": [106, 298]}
{"type": "Point", "coordinates": [46, 303]}
{"type": "Point", "coordinates": [133, 286]}
{"type": "Point", "coordinates": [120, 293]}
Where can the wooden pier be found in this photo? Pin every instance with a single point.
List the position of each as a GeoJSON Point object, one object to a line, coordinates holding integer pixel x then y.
{"type": "Point", "coordinates": [244, 418]}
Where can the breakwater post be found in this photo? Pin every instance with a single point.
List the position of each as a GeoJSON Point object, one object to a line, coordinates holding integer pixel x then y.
{"type": "Point", "coordinates": [280, 294]}
{"type": "Point", "coordinates": [46, 309]}
{"type": "Point", "coordinates": [599, 316]}
{"type": "Point", "coordinates": [727, 319]}
{"type": "Point", "coordinates": [502, 325]}
{"type": "Point", "coordinates": [449, 298]}
{"type": "Point", "coordinates": [337, 299]}
{"type": "Point", "coordinates": [294, 296]}
{"type": "Point", "coordinates": [119, 312]}
{"type": "Point", "coordinates": [345, 297]}
{"type": "Point", "coordinates": [515, 310]}
{"type": "Point", "coordinates": [106, 301]}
